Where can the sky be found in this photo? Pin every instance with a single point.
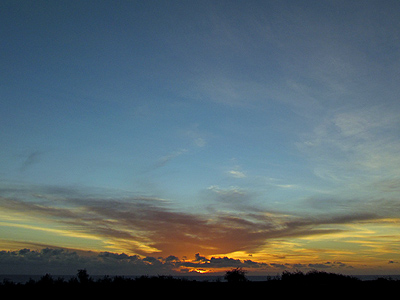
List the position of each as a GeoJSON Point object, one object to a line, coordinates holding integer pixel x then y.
{"type": "Point", "coordinates": [188, 137]}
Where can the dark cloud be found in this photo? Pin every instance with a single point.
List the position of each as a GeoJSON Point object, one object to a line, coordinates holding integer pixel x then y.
{"type": "Point", "coordinates": [28, 262]}
{"type": "Point", "coordinates": [116, 256]}
{"type": "Point", "coordinates": [332, 219]}
{"type": "Point", "coordinates": [172, 259]}
{"type": "Point", "coordinates": [328, 265]}
{"type": "Point", "coordinates": [67, 262]}
{"type": "Point", "coordinates": [63, 262]}
{"type": "Point", "coordinates": [342, 210]}
{"type": "Point", "coordinates": [200, 258]}
{"type": "Point", "coordinates": [319, 266]}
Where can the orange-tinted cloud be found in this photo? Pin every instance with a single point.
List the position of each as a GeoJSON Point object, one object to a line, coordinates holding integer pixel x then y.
{"type": "Point", "coordinates": [149, 226]}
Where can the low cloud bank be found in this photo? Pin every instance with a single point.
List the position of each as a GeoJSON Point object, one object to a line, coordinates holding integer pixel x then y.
{"type": "Point", "coordinates": [67, 262]}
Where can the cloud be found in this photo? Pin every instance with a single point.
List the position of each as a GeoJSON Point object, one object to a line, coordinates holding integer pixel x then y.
{"type": "Point", "coordinates": [139, 225]}
{"type": "Point", "coordinates": [236, 174]}
{"type": "Point", "coordinates": [61, 261]}
{"type": "Point", "coordinates": [354, 153]}
{"type": "Point", "coordinates": [31, 159]}
{"type": "Point", "coordinates": [144, 226]}
{"type": "Point", "coordinates": [319, 266]}
{"type": "Point", "coordinates": [388, 185]}
{"type": "Point", "coordinates": [47, 260]}
{"type": "Point", "coordinates": [225, 191]}
{"type": "Point", "coordinates": [67, 262]}
{"type": "Point", "coordinates": [197, 136]}
{"type": "Point", "coordinates": [361, 139]}
{"type": "Point", "coordinates": [200, 258]}
{"type": "Point", "coordinates": [200, 142]}
{"type": "Point", "coordinates": [223, 263]}
{"type": "Point", "coordinates": [328, 265]}
{"type": "Point", "coordinates": [147, 228]}
{"type": "Point", "coordinates": [167, 158]}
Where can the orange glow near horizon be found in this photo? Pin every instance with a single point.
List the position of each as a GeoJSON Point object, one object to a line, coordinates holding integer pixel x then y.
{"type": "Point", "coordinates": [201, 271]}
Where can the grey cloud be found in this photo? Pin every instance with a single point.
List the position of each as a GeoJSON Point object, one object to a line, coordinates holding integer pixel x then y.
{"type": "Point", "coordinates": [335, 219]}
{"type": "Point", "coordinates": [25, 261]}
{"type": "Point", "coordinates": [223, 263]}
{"type": "Point", "coordinates": [343, 210]}
{"type": "Point", "coordinates": [116, 256]}
{"type": "Point", "coordinates": [232, 198]}
{"type": "Point", "coordinates": [67, 262]}
{"type": "Point", "coordinates": [151, 260]}
{"type": "Point", "coordinates": [200, 258]}
{"type": "Point", "coordinates": [328, 265]}
{"type": "Point", "coordinates": [172, 259]}
{"type": "Point", "coordinates": [59, 261]}
{"type": "Point", "coordinates": [319, 266]}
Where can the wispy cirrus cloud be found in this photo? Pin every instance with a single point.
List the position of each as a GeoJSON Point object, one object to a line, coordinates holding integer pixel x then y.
{"type": "Point", "coordinates": [167, 158]}
{"type": "Point", "coordinates": [358, 144]}
{"type": "Point", "coordinates": [31, 159]}
{"type": "Point", "coordinates": [196, 135]}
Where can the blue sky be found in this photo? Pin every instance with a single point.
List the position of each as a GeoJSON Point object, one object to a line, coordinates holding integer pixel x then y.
{"type": "Point", "coordinates": [252, 118]}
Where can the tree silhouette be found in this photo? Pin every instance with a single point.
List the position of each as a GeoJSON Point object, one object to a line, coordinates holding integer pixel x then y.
{"type": "Point", "coordinates": [46, 280]}
{"type": "Point", "coordinates": [235, 275]}
{"type": "Point", "coordinates": [83, 276]}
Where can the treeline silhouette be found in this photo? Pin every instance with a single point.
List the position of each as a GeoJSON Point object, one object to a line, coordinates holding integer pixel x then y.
{"type": "Point", "coordinates": [289, 282]}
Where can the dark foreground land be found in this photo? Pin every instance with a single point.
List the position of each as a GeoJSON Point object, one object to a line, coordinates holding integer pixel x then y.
{"type": "Point", "coordinates": [312, 284]}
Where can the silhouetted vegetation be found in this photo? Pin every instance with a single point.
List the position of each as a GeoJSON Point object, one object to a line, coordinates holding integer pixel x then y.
{"type": "Point", "coordinates": [235, 275]}
{"type": "Point", "coordinates": [289, 282]}
{"type": "Point", "coordinates": [83, 276]}
{"type": "Point", "coordinates": [317, 277]}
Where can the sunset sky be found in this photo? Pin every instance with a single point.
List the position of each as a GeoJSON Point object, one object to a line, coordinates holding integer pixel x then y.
{"type": "Point", "coordinates": [181, 137]}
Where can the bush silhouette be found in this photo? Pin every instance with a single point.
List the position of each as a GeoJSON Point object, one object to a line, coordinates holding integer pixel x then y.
{"type": "Point", "coordinates": [235, 275]}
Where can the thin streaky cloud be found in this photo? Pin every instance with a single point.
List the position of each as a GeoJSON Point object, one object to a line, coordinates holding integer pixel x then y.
{"type": "Point", "coordinates": [33, 158]}
{"type": "Point", "coordinates": [236, 174]}
{"type": "Point", "coordinates": [167, 158]}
